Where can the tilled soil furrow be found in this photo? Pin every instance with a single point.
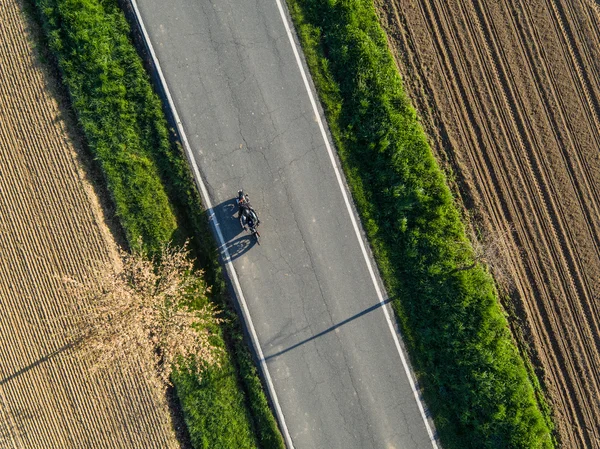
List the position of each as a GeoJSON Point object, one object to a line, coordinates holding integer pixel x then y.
{"type": "Point", "coordinates": [49, 156]}
{"type": "Point", "coordinates": [586, 184]}
{"type": "Point", "coordinates": [589, 102]}
{"type": "Point", "coordinates": [15, 385]}
{"type": "Point", "coordinates": [60, 229]}
{"type": "Point", "coordinates": [587, 329]}
{"type": "Point", "coordinates": [130, 391]}
{"type": "Point", "coordinates": [34, 241]}
{"type": "Point", "coordinates": [586, 172]}
{"type": "Point", "coordinates": [589, 306]}
{"type": "Point", "coordinates": [95, 399]}
{"type": "Point", "coordinates": [584, 21]}
{"type": "Point", "coordinates": [31, 402]}
{"type": "Point", "coordinates": [83, 401]}
{"type": "Point", "coordinates": [30, 326]}
{"type": "Point", "coordinates": [8, 437]}
{"type": "Point", "coordinates": [561, 11]}
{"type": "Point", "coordinates": [39, 164]}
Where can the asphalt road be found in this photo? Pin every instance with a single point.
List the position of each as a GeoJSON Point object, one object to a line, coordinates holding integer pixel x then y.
{"type": "Point", "coordinates": [328, 347]}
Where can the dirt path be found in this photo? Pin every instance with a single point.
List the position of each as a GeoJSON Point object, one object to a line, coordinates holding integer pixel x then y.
{"type": "Point", "coordinates": [510, 94]}
{"type": "Point", "coordinates": [51, 225]}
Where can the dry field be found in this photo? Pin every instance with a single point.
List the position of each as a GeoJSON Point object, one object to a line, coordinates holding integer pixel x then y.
{"type": "Point", "coordinates": [51, 225]}
{"type": "Point", "coordinates": [509, 91]}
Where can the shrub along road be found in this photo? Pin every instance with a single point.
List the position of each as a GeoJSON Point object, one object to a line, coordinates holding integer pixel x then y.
{"type": "Point", "coordinates": [328, 347]}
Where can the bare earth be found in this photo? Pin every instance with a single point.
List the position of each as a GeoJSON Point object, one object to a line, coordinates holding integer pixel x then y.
{"type": "Point", "coordinates": [51, 226]}
{"type": "Point", "coordinates": [509, 91]}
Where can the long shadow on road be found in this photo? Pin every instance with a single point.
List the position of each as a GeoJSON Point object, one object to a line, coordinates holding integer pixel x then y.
{"type": "Point", "coordinates": [329, 329]}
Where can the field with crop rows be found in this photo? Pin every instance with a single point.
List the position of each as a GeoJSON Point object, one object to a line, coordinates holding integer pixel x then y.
{"type": "Point", "coordinates": [51, 226]}
{"type": "Point", "coordinates": [509, 92]}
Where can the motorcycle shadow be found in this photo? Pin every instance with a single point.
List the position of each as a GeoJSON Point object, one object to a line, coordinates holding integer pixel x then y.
{"type": "Point", "coordinates": [235, 244]}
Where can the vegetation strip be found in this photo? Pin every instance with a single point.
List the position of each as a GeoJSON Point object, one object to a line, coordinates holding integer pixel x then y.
{"type": "Point", "coordinates": [155, 200]}
{"type": "Point", "coordinates": [473, 379]}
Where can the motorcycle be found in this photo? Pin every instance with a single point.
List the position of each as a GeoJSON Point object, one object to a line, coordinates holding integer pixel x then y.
{"type": "Point", "coordinates": [248, 217]}
{"type": "Point", "coordinates": [254, 232]}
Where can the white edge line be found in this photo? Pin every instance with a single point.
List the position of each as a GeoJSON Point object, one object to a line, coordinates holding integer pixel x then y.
{"type": "Point", "coordinates": [213, 220]}
{"type": "Point", "coordinates": [355, 224]}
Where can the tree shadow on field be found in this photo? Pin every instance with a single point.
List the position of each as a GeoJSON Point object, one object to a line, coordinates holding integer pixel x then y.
{"type": "Point", "coordinates": [179, 426]}
{"type": "Point", "coordinates": [35, 364]}
{"type": "Point", "coordinates": [237, 241]}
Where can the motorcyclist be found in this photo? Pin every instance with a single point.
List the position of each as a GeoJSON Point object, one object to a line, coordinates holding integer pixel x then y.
{"type": "Point", "coordinates": [246, 212]}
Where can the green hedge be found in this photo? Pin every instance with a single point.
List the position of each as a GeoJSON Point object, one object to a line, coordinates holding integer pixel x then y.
{"type": "Point", "coordinates": [474, 381]}
{"type": "Point", "coordinates": [155, 199]}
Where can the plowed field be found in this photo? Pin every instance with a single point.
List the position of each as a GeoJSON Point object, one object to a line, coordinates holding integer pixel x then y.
{"type": "Point", "coordinates": [509, 91]}
{"type": "Point", "coordinates": [51, 225]}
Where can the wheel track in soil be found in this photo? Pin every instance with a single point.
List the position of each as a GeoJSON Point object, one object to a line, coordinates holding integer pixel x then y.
{"type": "Point", "coordinates": [462, 40]}
{"type": "Point", "coordinates": [51, 226]}
{"type": "Point", "coordinates": [589, 303]}
{"type": "Point", "coordinates": [587, 176]}
{"type": "Point", "coordinates": [574, 275]}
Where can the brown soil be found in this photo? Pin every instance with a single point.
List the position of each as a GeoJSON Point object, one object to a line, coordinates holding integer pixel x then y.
{"type": "Point", "coordinates": [52, 226]}
{"type": "Point", "coordinates": [509, 92]}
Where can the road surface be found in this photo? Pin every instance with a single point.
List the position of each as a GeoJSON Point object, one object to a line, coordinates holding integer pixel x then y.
{"type": "Point", "coordinates": [336, 370]}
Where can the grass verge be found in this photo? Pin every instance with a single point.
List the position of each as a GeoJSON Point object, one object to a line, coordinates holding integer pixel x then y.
{"type": "Point", "coordinates": [474, 381]}
{"type": "Point", "coordinates": [155, 199]}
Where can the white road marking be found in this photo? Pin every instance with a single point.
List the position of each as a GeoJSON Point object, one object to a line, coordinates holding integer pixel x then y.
{"type": "Point", "coordinates": [213, 219]}
{"type": "Point", "coordinates": [354, 223]}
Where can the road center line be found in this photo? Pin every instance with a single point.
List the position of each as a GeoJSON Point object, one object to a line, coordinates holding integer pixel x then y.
{"type": "Point", "coordinates": [354, 223]}
{"type": "Point", "coordinates": [215, 223]}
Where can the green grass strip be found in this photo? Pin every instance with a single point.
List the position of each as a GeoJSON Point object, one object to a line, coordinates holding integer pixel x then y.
{"type": "Point", "coordinates": [155, 198]}
{"type": "Point", "coordinates": [473, 378]}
